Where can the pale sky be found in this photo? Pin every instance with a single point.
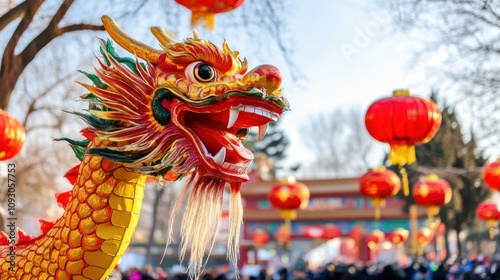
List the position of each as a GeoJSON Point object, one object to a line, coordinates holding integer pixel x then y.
{"type": "Point", "coordinates": [350, 58]}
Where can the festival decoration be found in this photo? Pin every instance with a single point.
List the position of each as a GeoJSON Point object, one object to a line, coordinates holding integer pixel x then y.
{"type": "Point", "coordinates": [12, 136]}
{"type": "Point", "coordinates": [403, 121]}
{"type": "Point", "coordinates": [183, 112]}
{"type": "Point", "coordinates": [424, 236]}
{"type": "Point", "coordinates": [490, 213]}
{"type": "Point", "coordinates": [374, 238]}
{"type": "Point", "coordinates": [432, 192]}
{"type": "Point", "coordinates": [289, 195]}
{"type": "Point", "coordinates": [203, 11]}
{"type": "Point", "coordinates": [491, 174]}
{"type": "Point", "coordinates": [357, 233]}
{"type": "Point", "coordinates": [398, 236]}
{"type": "Point", "coordinates": [260, 237]}
{"type": "Point", "coordinates": [372, 241]}
{"type": "Point", "coordinates": [379, 184]}
{"type": "Point", "coordinates": [283, 235]}
{"type": "Point", "coordinates": [330, 231]}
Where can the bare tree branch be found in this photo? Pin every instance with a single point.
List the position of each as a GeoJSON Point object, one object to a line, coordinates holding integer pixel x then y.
{"type": "Point", "coordinates": [13, 14]}
{"type": "Point", "coordinates": [82, 26]}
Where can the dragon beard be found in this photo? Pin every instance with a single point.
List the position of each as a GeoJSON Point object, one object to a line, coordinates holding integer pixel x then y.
{"type": "Point", "coordinates": [202, 218]}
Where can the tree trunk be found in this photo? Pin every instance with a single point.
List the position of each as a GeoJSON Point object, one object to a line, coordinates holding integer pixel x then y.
{"type": "Point", "coordinates": [158, 195]}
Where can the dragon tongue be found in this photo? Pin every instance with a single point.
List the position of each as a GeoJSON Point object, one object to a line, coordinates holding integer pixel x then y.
{"type": "Point", "coordinates": [222, 146]}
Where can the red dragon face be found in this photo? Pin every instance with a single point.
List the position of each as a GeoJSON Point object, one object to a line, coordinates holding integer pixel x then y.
{"type": "Point", "coordinates": [188, 108]}
{"type": "Point", "coordinates": [217, 126]}
{"type": "Point", "coordinates": [184, 111]}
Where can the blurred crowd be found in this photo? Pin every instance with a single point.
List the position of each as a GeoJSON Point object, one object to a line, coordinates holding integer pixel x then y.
{"type": "Point", "coordinates": [460, 270]}
{"type": "Point", "coordinates": [466, 270]}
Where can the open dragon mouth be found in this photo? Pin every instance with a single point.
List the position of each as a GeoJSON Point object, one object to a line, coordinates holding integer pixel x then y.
{"type": "Point", "coordinates": [218, 131]}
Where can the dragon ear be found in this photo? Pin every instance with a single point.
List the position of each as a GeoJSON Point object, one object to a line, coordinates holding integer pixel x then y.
{"type": "Point", "coordinates": [131, 45]}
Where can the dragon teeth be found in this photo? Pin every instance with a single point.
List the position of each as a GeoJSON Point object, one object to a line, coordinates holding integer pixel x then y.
{"type": "Point", "coordinates": [262, 131]}
{"type": "Point", "coordinates": [234, 112]}
{"type": "Point", "coordinates": [220, 156]}
{"type": "Point", "coordinates": [233, 116]}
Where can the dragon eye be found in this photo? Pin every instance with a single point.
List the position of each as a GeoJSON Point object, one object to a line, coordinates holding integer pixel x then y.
{"type": "Point", "coordinates": [201, 72]}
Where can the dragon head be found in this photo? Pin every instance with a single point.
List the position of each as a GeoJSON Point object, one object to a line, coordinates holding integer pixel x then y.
{"type": "Point", "coordinates": [188, 107]}
{"type": "Point", "coordinates": [184, 110]}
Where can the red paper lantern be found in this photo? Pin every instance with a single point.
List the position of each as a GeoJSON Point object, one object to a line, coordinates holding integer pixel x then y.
{"type": "Point", "coordinates": [398, 236]}
{"type": "Point", "coordinates": [357, 232]}
{"type": "Point", "coordinates": [403, 121]}
{"type": "Point", "coordinates": [283, 235]}
{"type": "Point", "coordinates": [424, 236]}
{"type": "Point", "coordinates": [260, 237]}
{"type": "Point", "coordinates": [203, 11]}
{"type": "Point", "coordinates": [12, 135]}
{"type": "Point", "coordinates": [490, 213]}
{"type": "Point", "coordinates": [289, 195]}
{"type": "Point", "coordinates": [379, 184]}
{"type": "Point", "coordinates": [373, 238]}
{"type": "Point", "coordinates": [432, 192]}
{"type": "Point", "coordinates": [491, 174]}
{"type": "Point", "coordinates": [331, 231]}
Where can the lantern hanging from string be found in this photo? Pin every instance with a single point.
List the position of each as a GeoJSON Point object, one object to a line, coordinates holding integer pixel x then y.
{"type": "Point", "coordinates": [374, 238]}
{"type": "Point", "coordinates": [260, 237]}
{"type": "Point", "coordinates": [204, 11]}
{"type": "Point", "coordinates": [379, 184]}
{"type": "Point", "coordinates": [491, 174]}
{"type": "Point", "coordinates": [403, 121]}
{"type": "Point", "coordinates": [283, 235]}
{"type": "Point", "coordinates": [398, 236]}
{"type": "Point", "coordinates": [432, 192]}
{"type": "Point", "coordinates": [424, 236]}
{"type": "Point", "coordinates": [357, 233]}
{"type": "Point", "coordinates": [490, 213]}
{"type": "Point", "coordinates": [289, 196]}
{"type": "Point", "coordinates": [331, 231]}
{"type": "Point", "coordinates": [12, 136]}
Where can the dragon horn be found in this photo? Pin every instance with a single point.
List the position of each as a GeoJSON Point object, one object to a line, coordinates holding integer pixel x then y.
{"type": "Point", "coordinates": [131, 45]}
{"type": "Point", "coordinates": [162, 36]}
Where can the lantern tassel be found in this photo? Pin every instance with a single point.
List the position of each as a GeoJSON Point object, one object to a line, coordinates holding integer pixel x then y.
{"type": "Point", "coordinates": [432, 211]}
{"type": "Point", "coordinates": [492, 225]}
{"type": "Point", "coordinates": [404, 177]}
{"type": "Point", "coordinates": [377, 214]}
{"type": "Point", "coordinates": [288, 214]}
{"type": "Point", "coordinates": [402, 154]}
{"type": "Point", "coordinates": [207, 19]}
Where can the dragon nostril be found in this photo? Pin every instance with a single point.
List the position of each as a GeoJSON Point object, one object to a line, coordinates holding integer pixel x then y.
{"type": "Point", "coordinates": [264, 76]}
{"type": "Point", "coordinates": [242, 133]}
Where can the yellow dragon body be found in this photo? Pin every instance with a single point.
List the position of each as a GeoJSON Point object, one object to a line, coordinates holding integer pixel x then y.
{"type": "Point", "coordinates": [182, 112]}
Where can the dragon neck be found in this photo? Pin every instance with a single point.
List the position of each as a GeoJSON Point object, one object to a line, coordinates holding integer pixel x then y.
{"type": "Point", "coordinates": [94, 231]}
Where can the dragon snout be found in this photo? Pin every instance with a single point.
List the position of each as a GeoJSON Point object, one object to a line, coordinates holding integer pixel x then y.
{"type": "Point", "coordinates": [264, 77]}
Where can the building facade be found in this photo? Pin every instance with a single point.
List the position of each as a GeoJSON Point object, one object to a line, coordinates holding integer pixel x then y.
{"type": "Point", "coordinates": [332, 201]}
